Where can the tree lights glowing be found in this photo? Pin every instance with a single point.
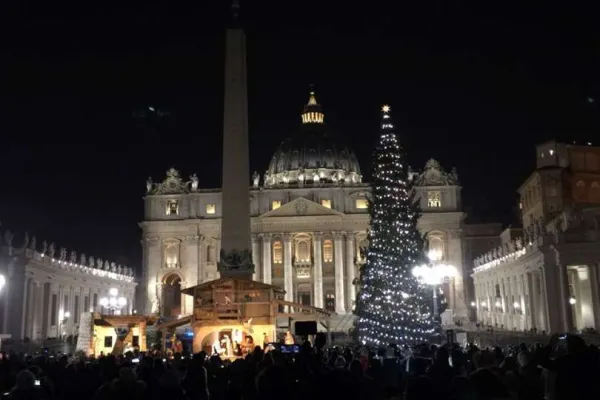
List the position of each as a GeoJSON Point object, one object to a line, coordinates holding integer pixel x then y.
{"type": "Point", "coordinates": [392, 306]}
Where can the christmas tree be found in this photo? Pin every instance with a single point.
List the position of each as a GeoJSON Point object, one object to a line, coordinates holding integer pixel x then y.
{"type": "Point", "coordinates": [393, 307]}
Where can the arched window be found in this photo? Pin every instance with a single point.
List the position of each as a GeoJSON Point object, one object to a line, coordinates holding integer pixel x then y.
{"type": "Point", "coordinates": [302, 251]}
{"type": "Point", "coordinates": [171, 251]}
{"type": "Point", "coordinates": [277, 252]}
{"type": "Point", "coordinates": [328, 251]}
{"type": "Point", "coordinates": [436, 245]}
{"type": "Point", "coordinates": [171, 295]}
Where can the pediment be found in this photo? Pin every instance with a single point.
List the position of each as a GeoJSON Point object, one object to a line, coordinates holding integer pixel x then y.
{"type": "Point", "coordinates": [300, 207]}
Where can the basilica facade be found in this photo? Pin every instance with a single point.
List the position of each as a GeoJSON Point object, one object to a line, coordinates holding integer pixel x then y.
{"type": "Point", "coordinates": [309, 223]}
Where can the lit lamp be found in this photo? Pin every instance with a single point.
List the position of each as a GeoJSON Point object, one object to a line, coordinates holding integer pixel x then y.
{"type": "Point", "coordinates": [434, 274]}
{"type": "Point", "coordinates": [113, 303]}
{"type": "Point", "coordinates": [572, 301]}
{"type": "Point", "coordinates": [2, 281]}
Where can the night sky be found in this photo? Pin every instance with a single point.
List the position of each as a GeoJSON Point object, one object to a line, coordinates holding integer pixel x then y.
{"type": "Point", "coordinates": [471, 84]}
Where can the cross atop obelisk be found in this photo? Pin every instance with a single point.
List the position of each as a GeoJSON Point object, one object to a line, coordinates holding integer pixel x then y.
{"type": "Point", "coordinates": [236, 259]}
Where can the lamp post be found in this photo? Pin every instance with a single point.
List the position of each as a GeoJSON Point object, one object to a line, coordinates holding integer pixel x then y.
{"type": "Point", "coordinates": [434, 274]}
{"type": "Point", "coordinates": [113, 302]}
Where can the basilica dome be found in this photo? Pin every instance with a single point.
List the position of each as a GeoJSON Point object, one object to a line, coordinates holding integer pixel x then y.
{"type": "Point", "coordinates": [313, 155]}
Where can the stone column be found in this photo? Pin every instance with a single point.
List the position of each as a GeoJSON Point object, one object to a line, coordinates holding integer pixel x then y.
{"type": "Point", "coordinates": [266, 258]}
{"type": "Point", "coordinates": [565, 307]}
{"type": "Point", "coordinates": [339, 272]}
{"type": "Point", "coordinates": [256, 276]}
{"type": "Point", "coordinates": [532, 289]}
{"type": "Point", "coordinates": [152, 265]}
{"type": "Point", "coordinates": [595, 294]}
{"type": "Point", "coordinates": [39, 308]}
{"type": "Point", "coordinates": [586, 304]}
{"type": "Point", "coordinates": [288, 281]}
{"type": "Point", "coordinates": [24, 309]}
{"type": "Point", "coordinates": [318, 270]}
{"type": "Point", "coordinates": [350, 271]}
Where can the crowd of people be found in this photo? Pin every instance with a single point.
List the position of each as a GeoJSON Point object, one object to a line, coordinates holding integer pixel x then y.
{"type": "Point", "coordinates": [564, 368]}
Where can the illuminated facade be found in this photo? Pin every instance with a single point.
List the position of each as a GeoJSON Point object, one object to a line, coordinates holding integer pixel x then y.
{"type": "Point", "coordinates": [48, 289]}
{"type": "Point", "coordinates": [546, 277]}
{"type": "Point", "coordinates": [309, 222]}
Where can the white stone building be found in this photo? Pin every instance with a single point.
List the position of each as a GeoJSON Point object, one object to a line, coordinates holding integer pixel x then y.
{"type": "Point", "coordinates": [309, 224]}
{"type": "Point", "coordinates": [546, 278]}
{"type": "Point", "coordinates": [309, 217]}
{"type": "Point", "coordinates": [46, 289]}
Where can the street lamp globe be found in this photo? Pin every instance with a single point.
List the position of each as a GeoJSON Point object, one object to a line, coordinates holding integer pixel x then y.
{"type": "Point", "coordinates": [67, 315]}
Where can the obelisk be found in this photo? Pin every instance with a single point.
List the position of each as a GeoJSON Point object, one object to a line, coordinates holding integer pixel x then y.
{"type": "Point", "coordinates": [236, 258]}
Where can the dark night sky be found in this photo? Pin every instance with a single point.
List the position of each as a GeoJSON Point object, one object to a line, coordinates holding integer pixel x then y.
{"type": "Point", "coordinates": [471, 84]}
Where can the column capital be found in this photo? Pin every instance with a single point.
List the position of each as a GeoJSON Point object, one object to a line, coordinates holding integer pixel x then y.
{"type": "Point", "coordinates": [287, 237]}
{"type": "Point", "coordinates": [266, 237]}
{"type": "Point", "coordinates": [350, 236]}
{"type": "Point", "coordinates": [338, 235]}
{"type": "Point", "coordinates": [256, 236]}
{"type": "Point", "coordinates": [318, 235]}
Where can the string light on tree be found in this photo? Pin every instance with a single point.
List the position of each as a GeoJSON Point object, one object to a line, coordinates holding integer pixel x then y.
{"type": "Point", "coordinates": [392, 306]}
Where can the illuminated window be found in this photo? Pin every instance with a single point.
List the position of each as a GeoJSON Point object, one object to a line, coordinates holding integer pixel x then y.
{"type": "Point", "coordinates": [434, 199]}
{"type": "Point", "coordinates": [277, 252]}
{"type": "Point", "coordinates": [303, 251]}
{"type": "Point", "coordinates": [211, 208]}
{"type": "Point", "coordinates": [326, 203]}
{"type": "Point", "coordinates": [436, 244]}
{"type": "Point", "coordinates": [172, 207]}
{"type": "Point", "coordinates": [362, 204]}
{"type": "Point", "coordinates": [275, 204]}
{"type": "Point", "coordinates": [171, 251]}
{"type": "Point", "coordinates": [328, 251]}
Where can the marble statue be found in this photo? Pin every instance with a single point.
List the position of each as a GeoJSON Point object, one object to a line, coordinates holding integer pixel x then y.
{"type": "Point", "coordinates": [149, 185]}
{"type": "Point", "coordinates": [82, 260]}
{"type": "Point", "coordinates": [33, 243]}
{"type": "Point", "coordinates": [194, 180]}
{"type": "Point", "coordinates": [113, 267]}
{"type": "Point", "coordinates": [92, 262]}
{"type": "Point", "coordinates": [63, 254]}
{"type": "Point", "coordinates": [73, 257]}
{"type": "Point", "coordinates": [99, 263]}
{"type": "Point", "coordinates": [44, 247]}
{"type": "Point", "coordinates": [51, 250]}
{"type": "Point", "coordinates": [106, 265]}
{"type": "Point", "coordinates": [26, 240]}
{"type": "Point", "coordinates": [316, 178]}
{"type": "Point", "coordinates": [255, 180]}
{"type": "Point", "coordinates": [8, 237]}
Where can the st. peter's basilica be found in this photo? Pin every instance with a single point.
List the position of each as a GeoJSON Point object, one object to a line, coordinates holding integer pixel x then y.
{"type": "Point", "coordinates": [309, 222]}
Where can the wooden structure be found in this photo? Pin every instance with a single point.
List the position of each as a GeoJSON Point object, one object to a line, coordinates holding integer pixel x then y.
{"type": "Point", "coordinates": [235, 307]}
{"type": "Point", "coordinates": [112, 333]}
